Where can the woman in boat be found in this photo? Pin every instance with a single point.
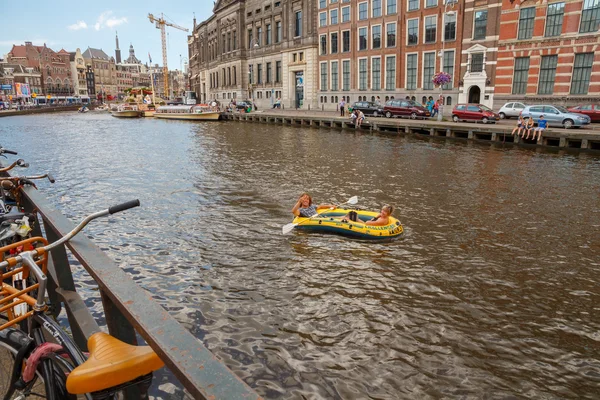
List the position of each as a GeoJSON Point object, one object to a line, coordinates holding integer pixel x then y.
{"type": "Point", "coordinates": [381, 219]}
{"type": "Point", "coordinates": [304, 207]}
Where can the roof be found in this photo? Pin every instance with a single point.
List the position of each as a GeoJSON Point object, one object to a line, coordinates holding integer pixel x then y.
{"type": "Point", "coordinates": [18, 51]}
{"type": "Point", "coordinates": [63, 51]}
{"type": "Point", "coordinates": [95, 54]}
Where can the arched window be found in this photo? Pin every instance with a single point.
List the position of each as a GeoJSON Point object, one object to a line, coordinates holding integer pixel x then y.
{"type": "Point", "coordinates": [387, 98]}
{"type": "Point", "coordinates": [424, 99]}
{"type": "Point", "coordinates": [58, 83]}
{"type": "Point", "coordinates": [392, 97]}
{"type": "Point", "coordinates": [448, 101]}
{"type": "Point", "coordinates": [373, 98]}
{"type": "Point", "coordinates": [336, 99]}
{"type": "Point", "coordinates": [332, 99]}
{"type": "Point", "coordinates": [413, 98]}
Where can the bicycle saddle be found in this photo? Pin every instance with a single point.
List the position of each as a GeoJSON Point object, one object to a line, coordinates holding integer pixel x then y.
{"type": "Point", "coordinates": [111, 363]}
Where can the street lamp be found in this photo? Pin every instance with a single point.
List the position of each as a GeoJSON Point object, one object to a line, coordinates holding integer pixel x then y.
{"type": "Point", "coordinates": [253, 45]}
{"type": "Point", "coordinates": [441, 53]}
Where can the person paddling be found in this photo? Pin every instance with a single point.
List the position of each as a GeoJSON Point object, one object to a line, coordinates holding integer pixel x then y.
{"type": "Point", "coordinates": [304, 207]}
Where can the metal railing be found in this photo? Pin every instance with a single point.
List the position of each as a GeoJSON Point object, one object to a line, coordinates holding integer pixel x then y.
{"type": "Point", "coordinates": [128, 308]}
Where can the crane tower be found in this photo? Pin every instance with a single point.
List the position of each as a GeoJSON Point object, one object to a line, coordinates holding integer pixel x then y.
{"type": "Point", "coordinates": [160, 24]}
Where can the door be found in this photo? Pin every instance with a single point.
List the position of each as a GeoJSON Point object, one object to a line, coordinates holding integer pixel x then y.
{"type": "Point", "coordinates": [405, 108]}
{"type": "Point", "coordinates": [299, 79]}
{"type": "Point", "coordinates": [474, 94]}
{"type": "Point", "coordinates": [596, 114]}
{"type": "Point", "coordinates": [473, 112]}
{"type": "Point", "coordinates": [586, 110]}
{"type": "Point", "coordinates": [552, 115]}
{"type": "Point", "coordinates": [517, 108]}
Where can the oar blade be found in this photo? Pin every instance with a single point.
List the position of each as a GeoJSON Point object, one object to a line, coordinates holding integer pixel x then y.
{"type": "Point", "coordinates": [353, 200]}
{"type": "Point", "coordinates": [288, 228]}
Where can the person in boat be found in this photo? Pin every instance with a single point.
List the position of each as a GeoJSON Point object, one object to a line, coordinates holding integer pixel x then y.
{"type": "Point", "coordinates": [381, 219]}
{"type": "Point", "coordinates": [304, 207]}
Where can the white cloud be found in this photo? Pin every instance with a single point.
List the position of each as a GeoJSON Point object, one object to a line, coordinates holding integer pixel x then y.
{"type": "Point", "coordinates": [107, 20]}
{"type": "Point", "coordinates": [77, 26]}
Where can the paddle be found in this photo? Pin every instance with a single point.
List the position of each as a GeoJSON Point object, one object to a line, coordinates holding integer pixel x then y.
{"type": "Point", "coordinates": [290, 227]}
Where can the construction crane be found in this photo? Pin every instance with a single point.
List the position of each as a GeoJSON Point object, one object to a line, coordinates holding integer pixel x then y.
{"type": "Point", "coordinates": [160, 24]}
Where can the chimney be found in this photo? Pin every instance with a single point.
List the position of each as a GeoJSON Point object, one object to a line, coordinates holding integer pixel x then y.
{"type": "Point", "coordinates": [28, 44]}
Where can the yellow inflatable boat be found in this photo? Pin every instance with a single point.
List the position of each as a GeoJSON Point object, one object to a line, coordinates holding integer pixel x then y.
{"type": "Point", "coordinates": [329, 221]}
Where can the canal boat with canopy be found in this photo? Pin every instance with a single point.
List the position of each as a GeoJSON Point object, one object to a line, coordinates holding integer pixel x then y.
{"type": "Point", "coordinates": [329, 221]}
{"type": "Point", "coordinates": [187, 112]}
{"type": "Point", "coordinates": [126, 111]}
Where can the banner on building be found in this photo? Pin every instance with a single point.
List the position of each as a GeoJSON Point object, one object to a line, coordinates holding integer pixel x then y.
{"type": "Point", "coordinates": [22, 89]}
{"type": "Point", "coordinates": [5, 87]}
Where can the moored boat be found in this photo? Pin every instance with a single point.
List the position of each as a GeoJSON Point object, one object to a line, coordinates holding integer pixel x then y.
{"type": "Point", "coordinates": [187, 112]}
{"type": "Point", "coordinates": [148, 113]}
{"type": "Point", "coordinates": [329, 221]}
{"type": "Point", "coordinates": [127, 111]}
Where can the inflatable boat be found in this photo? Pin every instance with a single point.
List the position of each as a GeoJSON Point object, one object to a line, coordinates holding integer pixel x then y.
{"type": "Point", "coordinates": [329, 221]}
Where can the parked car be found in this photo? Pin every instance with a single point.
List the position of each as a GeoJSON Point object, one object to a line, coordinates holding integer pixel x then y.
{"type": "Point", "coordinates": [368, 108]}
{"type": "Point", "coordinates": [591, 110]}
{"type": "Point", "coordinates": [243, 104]}
{"type": "Point", "coordinates": [405, 108]}
{"type": "Point", "coordinates": [556, 116]}
{"type": "Point", "coordinates": [510, 110]}
{"type": "Point", "coordinates": [474, 112]}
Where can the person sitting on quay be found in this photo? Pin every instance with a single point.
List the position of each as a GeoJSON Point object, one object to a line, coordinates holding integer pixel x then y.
{"type": "Point", "coordinates": [520, 126]}
{"type": "Point", "coordinates": [528, 127]}
{"type": "Point", "coordinates": [277, 103]}
{"type": "Point", "coordinates": [360, 117]}
{"type": "Point", "coordinates": [542, 125]}
{"type": "Point", "coordinates": [304, 207]}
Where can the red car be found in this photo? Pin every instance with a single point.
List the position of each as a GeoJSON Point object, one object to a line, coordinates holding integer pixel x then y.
{"type": "Point", "coordinates": [591, 110]}
{"type": "Point", "coordinates": [405, 108]}
{"type": "Point", "coordinates": [474, 112]}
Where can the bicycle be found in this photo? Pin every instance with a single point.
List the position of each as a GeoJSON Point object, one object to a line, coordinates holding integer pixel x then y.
{"type": "Point", "coordinates": [111, 366]}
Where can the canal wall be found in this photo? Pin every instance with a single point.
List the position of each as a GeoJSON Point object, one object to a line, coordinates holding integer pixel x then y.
{"type": "Point", "coordinates": [40, 110]}
{"type": "Point", "coordinates": [492, 133]}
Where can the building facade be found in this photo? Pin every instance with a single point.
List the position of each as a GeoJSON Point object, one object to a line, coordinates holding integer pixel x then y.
{"type": "Point", "coordinates": [387, 49]}
{"type": "Point", "coordinates": [19, 83]}
{"type": "Point", "coordinates": [78, 73]}
{"type": "Point", "coordinates": [256, 49]}
{"type": "Point", "coordinates": [105, 73]}
{"type": "Point", "coordinates": [481, 29]}
{"type": "Point", "coordinates": [548, 52]}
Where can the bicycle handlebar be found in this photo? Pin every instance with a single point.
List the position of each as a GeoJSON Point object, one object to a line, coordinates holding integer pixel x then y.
{"type": "Point", "coordinates": [20, 163]}
{"type": "Point", "coordinates": [9, 152]}
{"type": "Point", "coordinates": [27, 256]}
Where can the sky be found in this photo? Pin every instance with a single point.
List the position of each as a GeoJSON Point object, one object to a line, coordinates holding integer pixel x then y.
{"type": "Point", "coordinates": [75, 24]}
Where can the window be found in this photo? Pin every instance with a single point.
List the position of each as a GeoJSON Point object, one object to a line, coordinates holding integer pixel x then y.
{"type": "Point", "coordinates": [278, 71]}
{"type": "Point", "coordinates": [590, 17]}
{"type": "Point", "coordinates": [298, 24]}
{"type": "Point", "coordinates": [554, 19]}
{"type": "Point", "coordinates": [430, 29]}
{"type": "Point", "coordinates": [391, 7]}
{"type": "Point", "coordinates": [390, 37]}
{"type": "Point", "coordinates": [376, 9]}
{"type": "Point", "coordinates": [249, 38]}
{"type": "Point", "coordinates": [362, 38]}
{"type": "Point", "coordinates": [428, 70]}
{"type": "Point", "coordinates": [363, 11]}
{"type": "Point", "coordinates": [323, 19]}
{"type": "Point", "coordinates": [234, 40]}
{"type": "Point", "coordinates": [477, 62]}
{"type": "Point", "coordinates": [334, 16]}
{"type": "Point", "coordinates": [480, 28]}
{"type": "Point", "coordinates": [413, 5]}
{"type": "Point", "coordinates": [526, 20]}
{"type": "Point", "coordinates": [413, 31]}
{"type": "Point", "coordinates": [334, 75]}
{"type": "Point", "coordinates": [411, 71]}
{"type": "Point", "coordinates": [322, 3]}
{"type": "Point", "coordinates": [259, 36]}
{"type": "Point", "coordinates": [547, 74]}
{"type": "Point", "coordinates": [430, 3]}
{"type": "Point", "coordinates": [346, 14]}
{"type": "Point", "coordinates": [362, 74]}
{"type": "Point", "coordinates": [250, 73]}
{"type": "Point", "coordinates": [582, 70]}
{"type": "Point", "coordinates": [323, 76]}
{"type": "Point", "coordinates": [228, 41]}
{"type": "Point", "coordinates": [450, 27]}
{"type": "Point", "coordinates": [334, 43]}
{"type": "Point", "coordinates": [521, 75]}
{"type": "Point", "coordinates": [323, 44]}
{"type": "Point", "coordinates": [277, 31]}
{"type": "Point", "coordinates": [259, 73]}
{"type": "Point", "coordinates": [376, 73]}
{"type": "Point", "coordinates": [346, 75]}
{"type": "Point", "coordinates": [234, 76]}
{"type": "Point", "coordinates": [448, 67]}
{"type": "Point", "coordinates": [301, 56]}
{"type": "Point", "coordinates": [345, 41]}
{"type": "Point", "coordinates": [269, 34]}
{"type": "Point", "coordinates": [376, 33]}
{"type": "Point", "coordinates": [269, 78]}
{"type": "Point", "coordinates": [223, 44]}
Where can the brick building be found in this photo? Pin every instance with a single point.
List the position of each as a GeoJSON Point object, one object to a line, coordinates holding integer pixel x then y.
{"type": "Point", "coordinates": [259, 49]}
{"type": "Point", "coordinates": [481, 27]}
{"type": "Point", "coordinates": [387, 48]}
{"type": "Point", "coordinates": [547, 52]}
{"type": "Point", "coordinates": [105, 73]}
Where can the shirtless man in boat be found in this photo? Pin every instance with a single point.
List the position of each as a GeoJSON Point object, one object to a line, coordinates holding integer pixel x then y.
{"type": "Point", "coordinates": [381, 219]}
{"type": "Point", "coordinates": [304, 207]}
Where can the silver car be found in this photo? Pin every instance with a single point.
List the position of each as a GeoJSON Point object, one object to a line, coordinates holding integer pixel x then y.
{"type": "Point", "coordinates": [556, 116]}
{"type": "Point", "coordinates": [510, 110]}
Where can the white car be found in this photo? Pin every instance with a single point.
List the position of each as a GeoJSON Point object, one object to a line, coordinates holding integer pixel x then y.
{"type": "Point", "coordinates": [510, 110]}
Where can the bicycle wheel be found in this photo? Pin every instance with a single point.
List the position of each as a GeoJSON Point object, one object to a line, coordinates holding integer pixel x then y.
{"type": "Point", "coordinates": [11, 341]}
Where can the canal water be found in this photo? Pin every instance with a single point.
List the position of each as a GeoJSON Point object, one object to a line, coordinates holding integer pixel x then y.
{"type": "Point", "coordinates": [492, 293]}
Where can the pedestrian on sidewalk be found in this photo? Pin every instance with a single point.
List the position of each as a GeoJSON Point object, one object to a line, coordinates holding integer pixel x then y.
{"type": "Point", "coordinates": [436, 107]}
{"type": "Point", "coordinates": [429, 105]}
{"type": "Point", "coordinates": [342, 107]}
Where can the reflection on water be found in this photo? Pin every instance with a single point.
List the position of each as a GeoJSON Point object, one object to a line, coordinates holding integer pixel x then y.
{"type": "Point", "coordinates": [492, 292]}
